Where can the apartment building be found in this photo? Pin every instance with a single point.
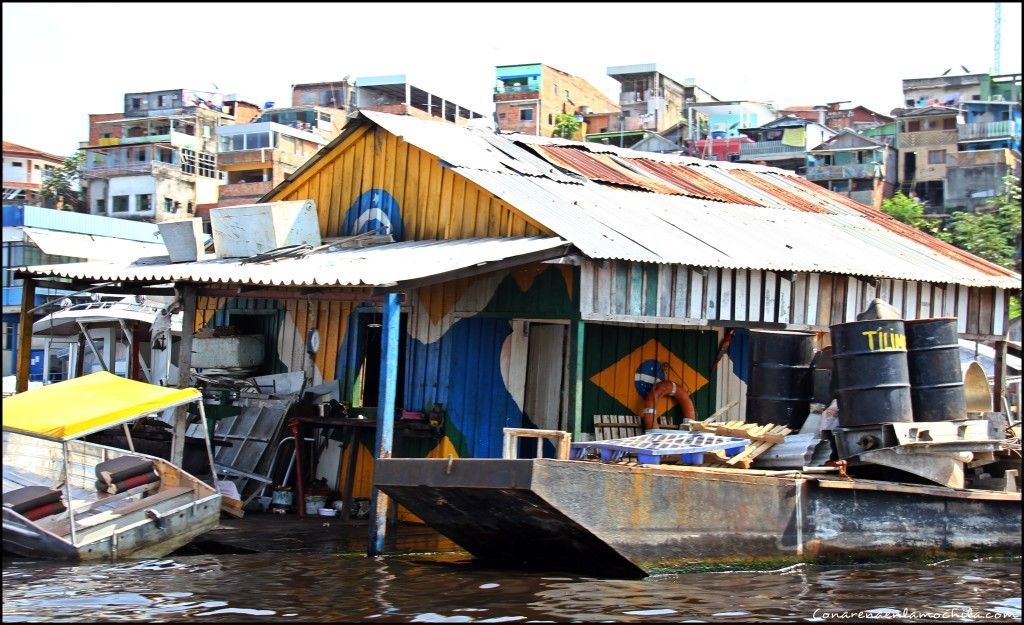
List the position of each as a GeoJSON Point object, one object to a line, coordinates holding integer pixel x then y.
{"type": "Point", "coordinates": [528, 99]}
{"type": "Point", "coordinates": [158, 161]}
{"type": "Point", "coordinates": [24, 169]}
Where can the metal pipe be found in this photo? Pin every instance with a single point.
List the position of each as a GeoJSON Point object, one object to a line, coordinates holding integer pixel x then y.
{"type": "Point", "coordinates": [128, 435]}
{"type": "Point", "coordinates": [209, 446]}
{"type": "Point", "coordinates": [92, 346]}
{"type": "Point", "coordinates": [385, 417]}
{"type": "Point", "coordinates": [67, 491]}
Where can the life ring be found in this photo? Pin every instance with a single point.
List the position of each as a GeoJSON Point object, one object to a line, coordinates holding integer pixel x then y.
{"type": "Point", "coordinates": [679, 392]}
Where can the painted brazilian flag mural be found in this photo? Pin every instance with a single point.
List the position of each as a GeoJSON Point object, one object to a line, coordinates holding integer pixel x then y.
{"type": "Point", "coordinates": [622, 364]}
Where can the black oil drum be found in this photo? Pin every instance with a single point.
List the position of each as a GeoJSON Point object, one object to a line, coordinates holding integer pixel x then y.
{"type": "Point", "coordinates": [781, 379]}
{"type": "Point", "coordinates": [933, 357]}
{"type": "Point", "coordinates": [871, 372]}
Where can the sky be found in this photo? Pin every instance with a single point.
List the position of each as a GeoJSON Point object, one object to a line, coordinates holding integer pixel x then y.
{"type": "Point", "coordinates": [64, 61]}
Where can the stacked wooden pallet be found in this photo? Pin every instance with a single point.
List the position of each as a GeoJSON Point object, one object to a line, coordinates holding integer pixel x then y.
{"type": "Point", "coordinates": [764, 437]}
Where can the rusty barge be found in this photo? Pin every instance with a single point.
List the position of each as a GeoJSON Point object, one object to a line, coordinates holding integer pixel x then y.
{"type": "Point", "coordinates": [630, 521]}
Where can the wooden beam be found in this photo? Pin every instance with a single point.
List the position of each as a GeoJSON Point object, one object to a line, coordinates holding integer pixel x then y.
{"type": "Point", "coordinates": [999, 379]}
{"type": "Point", "coordinates": [188, 322]}
{"type": "Point", "coordinates": [28, 299]}
{"type": "Point", "coordinates": [339, 294]}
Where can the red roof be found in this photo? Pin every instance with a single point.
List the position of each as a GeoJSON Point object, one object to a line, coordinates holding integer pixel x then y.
{"type": "Point", "coordinates": [14, 148]}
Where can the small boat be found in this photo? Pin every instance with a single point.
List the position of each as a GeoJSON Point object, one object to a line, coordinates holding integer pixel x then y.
{"type": "Point", "coordinates": [70, 499]}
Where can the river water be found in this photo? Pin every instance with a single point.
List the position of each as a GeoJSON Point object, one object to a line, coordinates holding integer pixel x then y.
{"type": "Point", "coordinates": [451, 588]}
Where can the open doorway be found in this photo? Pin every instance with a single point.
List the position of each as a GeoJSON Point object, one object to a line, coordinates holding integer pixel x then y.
{"type": "Point", "coordinates": [369, 337]}
{"type": "Point", "coordinates": [544, 400]}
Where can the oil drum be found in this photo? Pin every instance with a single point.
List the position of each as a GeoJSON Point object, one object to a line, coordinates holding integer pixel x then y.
{"type": "Point", "coordinates": [872, 377]}
{"type": "Point", "coordinates": [933, 357]}
{"type": "Point", "coordinates": [781, 379]}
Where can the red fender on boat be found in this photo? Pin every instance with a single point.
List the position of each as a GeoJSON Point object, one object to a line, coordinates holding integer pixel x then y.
{"type": "Point", "coordinates": [667, 388]}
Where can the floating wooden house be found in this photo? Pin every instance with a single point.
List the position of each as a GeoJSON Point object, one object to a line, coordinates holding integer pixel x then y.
{"type": "Point", "coordinates": [541, 282]}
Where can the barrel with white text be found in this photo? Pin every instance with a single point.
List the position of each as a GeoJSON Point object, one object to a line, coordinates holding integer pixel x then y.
{"type": "Point", "coordinates": [872, 374]}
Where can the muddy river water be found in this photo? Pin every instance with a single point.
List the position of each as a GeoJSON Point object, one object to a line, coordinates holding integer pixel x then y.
{"type": "Point", "coordinates": [449, 588]}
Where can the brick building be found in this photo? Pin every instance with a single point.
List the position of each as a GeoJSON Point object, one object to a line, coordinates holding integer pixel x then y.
{"type": "Point", "coordinates": [528, 99]}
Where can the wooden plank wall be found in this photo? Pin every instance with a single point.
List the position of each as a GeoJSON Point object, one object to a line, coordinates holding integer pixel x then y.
{"type": "Point", "coordinates": [435, 202]}
{"type": "Point", "coordinates": [681, 295]}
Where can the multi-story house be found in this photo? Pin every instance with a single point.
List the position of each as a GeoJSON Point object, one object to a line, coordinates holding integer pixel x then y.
{"type": "Point", "coordinates": [926, 136]}
{"type": "Point", "coordinates": [989, 148]}
{"type": "Point", "coordinates": [855, 118]}
{"type": "Point", "coordinates": [395, 94]}
{"type": "Point", "coordinates": [336, 94]}
{"type": "Point", "coordinates": [256, 157]}
{"type": "Point", "coordinates": [784, 143]}
{"type": "Point", "coordinates": [528, 99]}
{"type": "Point", "coordinates": [953, 90]}
{"type": "Point", "coordinates": [160, 161]}
{"type": "Point", "coordinates": [725, 119]}
{"type": "Point", "coordinates": [324, 121]}
{"type": "Point", "coordinates": [859, 167]}
{"type": "Point", "coordinates": [24, 169]}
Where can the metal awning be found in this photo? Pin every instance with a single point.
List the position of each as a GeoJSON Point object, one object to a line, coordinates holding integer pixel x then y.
{"type": "Point", "coordinates": [89, 246]}
{"type": "Point", "coordinates": [394, 265]}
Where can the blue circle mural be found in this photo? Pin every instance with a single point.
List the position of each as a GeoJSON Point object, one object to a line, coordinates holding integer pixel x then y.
{"type": "Point", "coordinates": [649, 373]}
{"type": "Point", "coordinates": [374, 209]}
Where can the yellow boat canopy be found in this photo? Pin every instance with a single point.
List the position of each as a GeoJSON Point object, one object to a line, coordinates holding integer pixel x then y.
{"type": "Point", "coordinates": [74, 408]}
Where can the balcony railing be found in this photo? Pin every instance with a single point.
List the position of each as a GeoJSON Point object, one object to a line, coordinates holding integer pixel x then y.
{"type": "Point", "coordinates": [978, 158]}
{"type": "Point", "coordinates": [762, 149]}
{"type": "Point", "coordinates": [241, 189]}
{"type": "Point", "coordinates": [986, 130]}
{"type": "Point", "coordinates": [841, 172]}
{"type": "Point", "coordinates": [518, 88]}
{"type": "Point", "coordinates": [127, 169]}
{"type": "Point", "coordinates": [926, 138]}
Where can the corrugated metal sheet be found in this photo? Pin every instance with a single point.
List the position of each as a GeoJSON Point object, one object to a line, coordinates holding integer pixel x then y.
{"type": "Point", "coordinates": [601, 167]}
{"type": "Point", "coordinates": [763, 183]}
{"type": "Point", "coordinates": [372, 266]}
{"type": "Point", "coordinates": [692, 181]}
{"type": "Point", "coordinates": [610, 223]}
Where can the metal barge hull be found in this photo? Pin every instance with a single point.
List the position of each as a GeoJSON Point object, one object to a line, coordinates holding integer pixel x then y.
{"type": "Point", "coordinates": [629, 521]}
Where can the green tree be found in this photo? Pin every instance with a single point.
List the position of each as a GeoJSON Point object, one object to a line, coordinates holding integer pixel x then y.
{"type": "Point", "coordinates": [566, 126]}
{"type": "Point", "coordinates": [992, 232]}
{"type": "Point", "coordinates": [909, 211]}
{"type": "Point", "coordinates": [61, 183]}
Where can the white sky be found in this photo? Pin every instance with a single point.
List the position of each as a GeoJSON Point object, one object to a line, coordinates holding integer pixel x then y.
{"type": "Point", "coordinates": [64, 61]}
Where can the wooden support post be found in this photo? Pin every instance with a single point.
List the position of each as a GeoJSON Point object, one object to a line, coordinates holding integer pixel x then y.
{"type": "Point", "coordinates": [24, 346]}
{"type": "Point", "coordinates": [134, 370]}
{"type": "Point", "coordinates": [188, 322]}
{"type": "Point", "coordinates": [576, 337]}
{"type": "Point", "coordinates": [999, 378]}
{"type": "Point", "coordinates": [385, 417]}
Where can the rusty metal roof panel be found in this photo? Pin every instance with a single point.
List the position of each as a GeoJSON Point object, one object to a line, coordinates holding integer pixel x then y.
{"type": "Point", "coordinates": [790, 198]}
{"type": "Point", "coordinates": [692, 181]}
{"type": "Point", "coordinates": [601, 168]}
{"type": "Point", "coordinates": [383, 265]}
{"type": "Point", "coordinates": [610, 223]}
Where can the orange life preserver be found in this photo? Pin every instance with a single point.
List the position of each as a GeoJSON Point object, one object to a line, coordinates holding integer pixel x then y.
{"type": "Point", "coordinates": [678, 391]}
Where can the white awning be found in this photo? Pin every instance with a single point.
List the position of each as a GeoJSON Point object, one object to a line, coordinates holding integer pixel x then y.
{"type": "Point", "coordinates": [88, 246]}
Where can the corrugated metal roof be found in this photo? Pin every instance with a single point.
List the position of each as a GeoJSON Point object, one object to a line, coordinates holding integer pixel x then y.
{"type": "Point", "coordinates": [383, 265]}
{"type": "Point", "coordinates": [601, 167]}
{"type": "Point", "coordinates": [753, 217]}
{"type": "Point", "coordinates": [692, 181]}
{"type": "Point", "coordinates": [609, 223]}
{"type": "Point", "coordinates": [763, 183]}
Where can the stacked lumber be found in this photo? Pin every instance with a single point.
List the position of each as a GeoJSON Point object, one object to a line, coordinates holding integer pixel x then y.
{"type": "Point", "coordinates": [763, 438]}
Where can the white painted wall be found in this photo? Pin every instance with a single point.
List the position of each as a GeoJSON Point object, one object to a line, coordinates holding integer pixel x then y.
{"type": "Point", "coordinates": [130, 186]}
{"type": "Point", "coordinates": [15, 174]}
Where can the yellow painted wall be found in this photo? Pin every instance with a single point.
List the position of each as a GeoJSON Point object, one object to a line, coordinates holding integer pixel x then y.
{"type": "Point", "coordinates": [435, 202]}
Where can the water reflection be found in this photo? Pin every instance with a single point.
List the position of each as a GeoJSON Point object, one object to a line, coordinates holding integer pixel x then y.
{"type": "Point", "coordinates": [451, 589]}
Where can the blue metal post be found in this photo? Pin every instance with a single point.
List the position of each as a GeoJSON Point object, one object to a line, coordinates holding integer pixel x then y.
{"type": "Point", "coordinates": [385, 417]}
